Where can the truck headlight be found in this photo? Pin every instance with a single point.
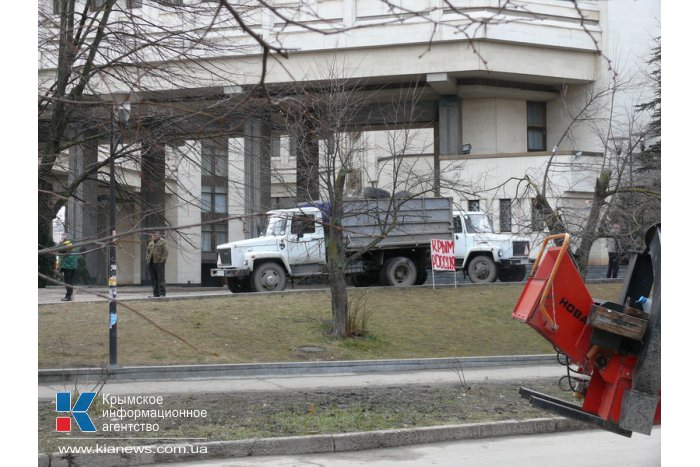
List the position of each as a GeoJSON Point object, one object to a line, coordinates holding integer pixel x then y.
{"type": "Point", "coordinates": [500, 253]}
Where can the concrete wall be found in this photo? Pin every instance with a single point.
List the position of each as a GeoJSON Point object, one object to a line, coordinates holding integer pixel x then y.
{"type": "Point", "coordinates": [494, 125]}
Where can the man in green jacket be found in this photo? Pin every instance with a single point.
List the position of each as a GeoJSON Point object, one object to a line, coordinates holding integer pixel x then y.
{"type": "Point", "coordinates": [156, 255]}
{"type": "Point", "coordinates": [67, 263]}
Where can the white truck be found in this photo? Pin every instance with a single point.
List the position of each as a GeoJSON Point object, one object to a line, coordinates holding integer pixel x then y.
{"type": "Point", "coordinates": [485, 256]}
{"type": "Point", "coordinates": [293, 245]}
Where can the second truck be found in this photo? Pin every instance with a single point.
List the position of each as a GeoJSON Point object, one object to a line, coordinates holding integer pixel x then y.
{"type": "Point", "coordinates": [293, 245]}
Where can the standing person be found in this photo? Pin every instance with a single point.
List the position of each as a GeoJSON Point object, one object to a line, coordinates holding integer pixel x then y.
{"type": "Point", "coordinates": [614, 250]}
{"type": "Point", "coordinates": [156, 255]}
{"type": "Point", "coordinates": [67, 263]}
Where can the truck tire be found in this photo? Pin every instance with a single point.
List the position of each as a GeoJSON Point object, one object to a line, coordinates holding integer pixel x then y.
{"type": "Point", "coordinates": [481, 270]}
{"type": "Point", "coordinates": [236, 286]}
{"type": "Point", "coordinates": [399, 271]}
{"type": "Point", "coordinates": [269, 277]}
{"type": "Point", "coordinates": [512, 274]}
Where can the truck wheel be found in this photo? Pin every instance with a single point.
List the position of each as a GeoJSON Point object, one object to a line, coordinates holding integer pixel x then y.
{"type": "Point", "coordinates": [512, 274]}
{"type": "Point", "coordinates": [399, 272]}
{"type": "Point", "coordinates": [236, 286]}
{"type": "Point", "coordinates": [269, 277]}
{"type": "Point", "coordinates": [481, 270]}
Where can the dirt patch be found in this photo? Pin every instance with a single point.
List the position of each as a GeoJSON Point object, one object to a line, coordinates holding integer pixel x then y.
{"type": "Point", "coordinates": [271, 414]}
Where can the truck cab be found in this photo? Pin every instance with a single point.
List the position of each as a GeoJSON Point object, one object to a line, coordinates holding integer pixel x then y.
{"type": "Point", "coordinates": [292, 244]}
{"type": "Point", "coordinates": [484, 255]}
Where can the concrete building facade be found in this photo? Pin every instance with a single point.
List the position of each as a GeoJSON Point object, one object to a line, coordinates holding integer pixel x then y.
{"type": "Point", "coordinates": [498, 82]}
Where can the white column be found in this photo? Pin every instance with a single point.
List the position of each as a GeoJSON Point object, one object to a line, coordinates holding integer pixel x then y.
{"type": "Point", "coordinates": [183, 208]}
{"type": "Point", "coordinates": [236, 189]}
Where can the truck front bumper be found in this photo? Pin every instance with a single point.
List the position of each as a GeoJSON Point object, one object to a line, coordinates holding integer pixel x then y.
{"type": "Point", "coordinates": [229, 272]}
{"type": "Point", "coordinates": [517, 261]}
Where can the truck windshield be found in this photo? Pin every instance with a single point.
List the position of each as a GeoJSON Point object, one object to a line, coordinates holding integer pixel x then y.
{"type": "Point", "coordinates": [479, 223]}
{"type": "Point", "coordinates": [275, 226]}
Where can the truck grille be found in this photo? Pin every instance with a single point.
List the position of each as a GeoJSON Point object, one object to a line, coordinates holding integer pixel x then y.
{"type": "Point", "coordinates": [521, 248]}
{"type": "Point", "coordinates": [225, 257]}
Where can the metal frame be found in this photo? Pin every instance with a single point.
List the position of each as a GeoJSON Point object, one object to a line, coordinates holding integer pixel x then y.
{"type": "Point", "coordinates": [570, 410]}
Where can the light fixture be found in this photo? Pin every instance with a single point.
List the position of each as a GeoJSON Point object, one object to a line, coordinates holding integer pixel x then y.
{"type": "Point", "coordinates": [466, 148]}
{"type": "Point", "coordinates": [121, 106]}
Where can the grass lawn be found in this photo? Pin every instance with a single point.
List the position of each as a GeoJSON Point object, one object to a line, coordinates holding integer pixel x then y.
{"type": "Point", "coordinates": [248, 328]}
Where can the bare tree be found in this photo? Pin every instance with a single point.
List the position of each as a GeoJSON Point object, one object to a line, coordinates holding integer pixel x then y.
{"type": "Point", "coordinates": [332, 114]}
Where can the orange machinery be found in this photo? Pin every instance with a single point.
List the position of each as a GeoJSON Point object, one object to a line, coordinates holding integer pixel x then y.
{"type": "Point", "coordinates": [612, 350]}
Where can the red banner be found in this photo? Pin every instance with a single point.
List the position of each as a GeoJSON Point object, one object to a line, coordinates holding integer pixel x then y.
{"type": "Point", "coordinates": [442, 253]}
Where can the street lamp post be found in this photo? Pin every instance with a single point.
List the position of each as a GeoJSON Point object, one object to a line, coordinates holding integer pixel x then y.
{"type": "Point", "coordinates": [120, 114]}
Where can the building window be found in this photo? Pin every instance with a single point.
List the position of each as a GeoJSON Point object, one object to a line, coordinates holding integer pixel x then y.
{"type": "Point", "coordinates": [214, 199]}
{"type": "Point", "coordinates": [473, 205]}
{"type": "Point", "coordinates": [214, 160]}
{"type": "Point", "coordinates": [505, 217]}
{"type": "Point", "coordinates": [213, 235]}
{"type": "Point", "coordinates": [537, 220]}
{"type": "Point", "coordinates": [536, 126]}
{"type": "Point", "coordinates": [133, 4]}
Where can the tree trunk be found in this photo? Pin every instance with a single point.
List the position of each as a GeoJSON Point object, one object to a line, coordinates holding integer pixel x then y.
{"type": "Point", "coordinates": [589, 234]}
{"type": "Point", "coordinates": [336, 259]}
{"type": "Point", "coordinates": [339, 301]}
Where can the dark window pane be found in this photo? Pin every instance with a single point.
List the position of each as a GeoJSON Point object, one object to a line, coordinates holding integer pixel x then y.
{"type": "Point", "coordinates": [473, 205]}
{"type": "Point", "coordinates": [207, 164]}
{"type": "Point", "coordinates": [536, 126]}
{"type": "Point", "coordinates": [535, 114]}
{"type": "Point", "coordinates": [303, 225]}
{"type": "Point", "coordinates": [505, 215]}
{"type": "Point", "coordinates": [457, 224]}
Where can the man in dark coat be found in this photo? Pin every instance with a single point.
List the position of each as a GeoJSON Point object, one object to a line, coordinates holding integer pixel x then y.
{"type": "Point", "coordinates": [156, 255]}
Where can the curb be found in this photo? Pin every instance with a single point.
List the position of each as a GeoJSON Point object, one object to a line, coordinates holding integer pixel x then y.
{"type": "Point", "coordinates": [317, 443]}
{"type": "Point", "coordinates": [176, 372]}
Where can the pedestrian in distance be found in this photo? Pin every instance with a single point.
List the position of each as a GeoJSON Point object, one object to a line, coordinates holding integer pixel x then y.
{"type": "Point", "coordinates": [156, 255]}
{"type": "Point", "coordinates": [67, 263]}
{"type": "Point", "coordinates": [614, 252]}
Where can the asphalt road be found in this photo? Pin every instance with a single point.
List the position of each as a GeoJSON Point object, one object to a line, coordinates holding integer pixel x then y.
{"type": "Point", "coordinates": [571, 449]}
